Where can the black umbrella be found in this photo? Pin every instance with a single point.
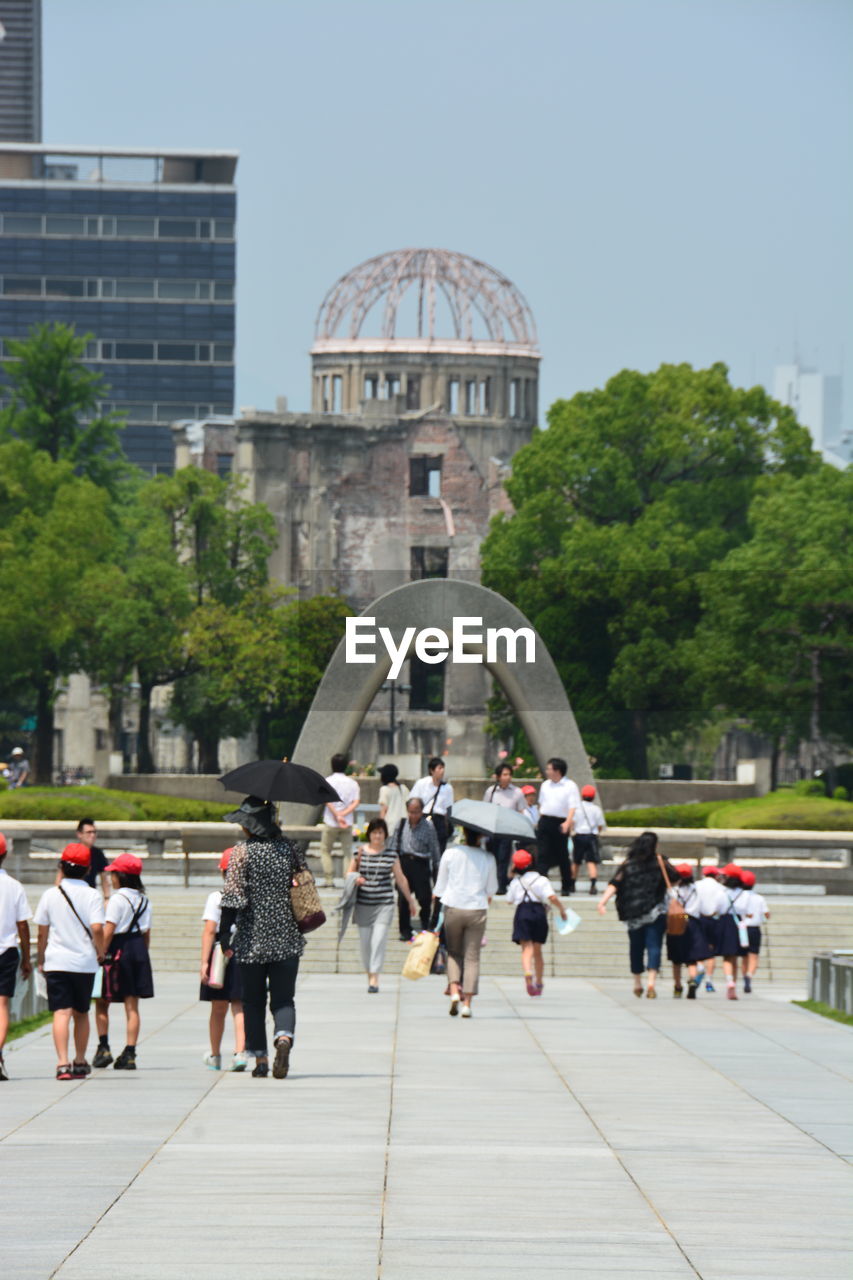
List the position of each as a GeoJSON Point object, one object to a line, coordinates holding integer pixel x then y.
{"type": "Point", "coordinates": [280, 780]}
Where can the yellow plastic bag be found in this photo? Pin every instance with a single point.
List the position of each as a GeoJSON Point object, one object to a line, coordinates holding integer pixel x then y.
{"type": "Point", "coordinates": [421, 955]}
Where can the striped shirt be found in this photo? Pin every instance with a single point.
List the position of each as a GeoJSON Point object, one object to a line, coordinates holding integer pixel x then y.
{"type": "Point", "coordinates": [378, 872]}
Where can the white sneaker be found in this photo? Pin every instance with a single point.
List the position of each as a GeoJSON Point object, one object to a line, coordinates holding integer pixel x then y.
{"type": "Point", "coordinates": [465, 1011]}
{"type": "Point", "coordinates": [239, 1062]}
{"type": "Point", "coordinates": [213, 1061]}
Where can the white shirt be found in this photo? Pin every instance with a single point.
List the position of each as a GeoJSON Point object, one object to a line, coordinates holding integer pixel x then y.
{"type": "Point", "coordinates": [349, 790]}
{"type": "Point", "coordinates": [13, 908]}
{"type": "Point", "coordinates": [557, 798]}
{"type": "Point", "coordinates": [738, 899]}
{"type": "Point", "coordinates": [713, 899]}
{"type": "Point", "coordinates": [688, 896]}
{"type": "Point", "coordinates": [395, 798]}
{"type": "Point", "coordinates": [756, 909]}
{"type": "Point", "coordinates": [538, 887]}
{"type": "Point", "coordinates": [588, 819]}
{"type": "Point", "coordinates": [121, 909]}
{"type": "Point", "coordinates": [467, 878]}
{"type": "Point", "coordinates": [424, 790]}
{"type": "Point", "coordinates": [69, 947]}
{"type": "Point", "coordinates": [511, 797]}
{"type": "Point", "coordinates": [213, 907]}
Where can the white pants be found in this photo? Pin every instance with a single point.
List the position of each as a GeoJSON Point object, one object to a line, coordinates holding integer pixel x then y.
{"type": "Point", "coordinates": [373, 926]}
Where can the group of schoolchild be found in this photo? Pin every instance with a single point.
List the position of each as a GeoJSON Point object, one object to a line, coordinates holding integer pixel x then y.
{"type": "Point", "coordinates": [724, 919]}
{"type": "Point", "coordinates": [94, 931]}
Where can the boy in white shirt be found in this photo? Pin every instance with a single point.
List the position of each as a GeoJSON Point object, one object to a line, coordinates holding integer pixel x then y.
{"type": "Point", "coordinates": [755, 913]}
{"type": "Point", "coordinates": [337, 817]}
{"type": "Point", "coordinates": [529, 892]}
{"type": "Point", "coordinates": [14, 929]}
{"type": "Point", "coordinates": [70, 919]}
{"type": "Point", "coordinates": [587, 823]}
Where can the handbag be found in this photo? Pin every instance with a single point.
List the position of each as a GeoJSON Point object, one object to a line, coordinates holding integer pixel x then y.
{"type": "Point", "coordinates": [676, 916]}
{"type": "Point", "coordinates": [305, 900]}
{"type": "Point", "coordinates": [420, 955]}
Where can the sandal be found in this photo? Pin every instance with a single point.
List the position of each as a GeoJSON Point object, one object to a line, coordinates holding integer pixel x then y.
{"type": "Point", "coordinates": [64, 1072]}
{"type": "Point", "coordinates": [651, 994]}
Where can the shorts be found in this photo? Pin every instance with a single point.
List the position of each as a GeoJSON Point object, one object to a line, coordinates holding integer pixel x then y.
{"type": "Point", "coordinates": [69, 990]}
{"type": "Point", "coordinates": [9, 961]}
{"type": "Point", "coordinates": [530, 923]}
{"type": "Point", "coordinates": [754, 948]}
{"type": "Point", "coordinates": [586, 848]}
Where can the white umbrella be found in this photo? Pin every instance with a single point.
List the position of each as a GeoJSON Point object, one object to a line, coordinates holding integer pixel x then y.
{"type": "Point", "coordinates": [492, 819]}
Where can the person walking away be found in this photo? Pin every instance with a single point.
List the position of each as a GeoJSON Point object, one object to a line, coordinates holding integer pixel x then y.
{"type": "Point", "coordinates": [266, 943]}
{"type": "Point", "coordinates": [730, 944]}
{"type": "Point", "coordinates": [713, 903]}
{"type": "Point", "coordinates": [127, 939]}
{"type": "Point", "coordinates": [393, 796]}
{"type": "Point", "coordinates": [436, 796]}
{"type": "Point", "coordinates": [70, 919]}
{"type": "Point", "coordinates": [756, 913]}
{"type": "Point", "coordinates": [558, 800]}
{"type": "Point", "coordinates": [507, 795]}
{"type": "Point", "coordinates": [14, 933]}
{"type": "Point", "coordinates": [530, 892]}
{"type": "Point", "coordinates": [641, 897]}
{"type": "Point", "coordinates": [378, 869]}
{"type": "Point", "coordinates": [416, 844]}
{"type": "Point", "coordinates": [18, 772]}
{"type": "Point", "coordinates": [465, 885]}
{"type": "Point", "coordinates": [230, 994]}
{"type": "Point", "coordinates": [587, 825]}
{"type": "Point", "coordinates": [337, 818]}
{"type": "Point", "coordinates": [690, 947]}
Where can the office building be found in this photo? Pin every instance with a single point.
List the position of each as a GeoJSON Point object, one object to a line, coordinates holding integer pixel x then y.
{"type": "Point", "coordinates": [20, 70]}
{"type": "Point", "coordinates": [816, 399]}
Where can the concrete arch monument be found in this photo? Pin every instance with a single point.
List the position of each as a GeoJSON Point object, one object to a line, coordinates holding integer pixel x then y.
{"type": "Point", "coordinates": [533, 688]}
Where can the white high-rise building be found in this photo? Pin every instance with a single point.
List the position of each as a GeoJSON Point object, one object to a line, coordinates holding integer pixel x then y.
{"type": "Point", "coordinates": [816, 400]}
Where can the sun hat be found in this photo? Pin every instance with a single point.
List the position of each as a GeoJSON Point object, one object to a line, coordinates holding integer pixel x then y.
{"type": "Point", "coordinates": [522, 859]}
{"type": "Point", "coordinates": [747, 879]}
{"type": "Point", "coordinates": [684, 869]}
{"type": "Point", "coordinates": [79, 855]}
{"type": "Point", "coordinates": [126, 863]}
{"type": "Point", "coordinates": [2, 844]}
{"type": "Point", "coordinates": [256, 815]}
{"type": "Point", "coordinates": [225, 859]}
{"type": "Point", "coordinates": [588, 792]}
{"type": "Point", "coordinates": [528, 790]}
{"type": "Point", "coordinates": [732, 871]}
{"type": "Point", "coordinates": [711, 871]}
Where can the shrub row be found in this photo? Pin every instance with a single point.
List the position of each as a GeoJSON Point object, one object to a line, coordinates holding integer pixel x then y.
{"type": "Point", "coordinates": [42, 804]}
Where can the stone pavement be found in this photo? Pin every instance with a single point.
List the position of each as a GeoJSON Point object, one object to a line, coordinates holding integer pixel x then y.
{"type": "Point", "coordinates": [585, 1134]}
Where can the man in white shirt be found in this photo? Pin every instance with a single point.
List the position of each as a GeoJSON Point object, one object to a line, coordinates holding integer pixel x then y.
{"type": "Point", "coordinates": [505, 793]}
{"type": "Point", "coordinates": [14, 929]}
{"type": "Point", "coordinates": [337, 817]}
{"type": "Point", "coordinates": [558, 800]}
{"type": "Point", "coordinates": [436, 796]}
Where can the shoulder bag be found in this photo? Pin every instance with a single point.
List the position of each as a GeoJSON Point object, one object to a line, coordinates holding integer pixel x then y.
{"type": "Point", "coordinates": [676, 916]}
{"type": "Point", "coordinates": [305, 900]}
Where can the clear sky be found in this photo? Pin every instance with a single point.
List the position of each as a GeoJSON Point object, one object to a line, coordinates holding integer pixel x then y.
{"type": "Point", "coordinates": [664, 180]}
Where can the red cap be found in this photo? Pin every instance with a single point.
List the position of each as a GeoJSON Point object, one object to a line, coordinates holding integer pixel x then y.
{"type": "Point", "coordinates": [711, 871]}
{"type": "Point", "coordinates": [732, 870]}
{"type": "Point", "coordinates": [684, 869]}
{"type": "Point", "coordinates": [225, 859]}
{"type": "Point", "coordinates": [2, 844]}
{"type": "Point", "coordinates": [128, 863]}
{"type": "Point", "coordinates": [522, 860]}
{"type": "Point", "coordinates": [528, 790]}
{"type": "Point", "coordinates": [587, 792]}
{"type": "Point", "coordinates": [79, 855]}
{"type": "Point", "coordinates": [747, 879]}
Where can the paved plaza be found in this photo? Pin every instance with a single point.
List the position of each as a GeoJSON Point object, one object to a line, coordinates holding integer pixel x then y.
{"type": "Point", "coordinates": [583, 1134]}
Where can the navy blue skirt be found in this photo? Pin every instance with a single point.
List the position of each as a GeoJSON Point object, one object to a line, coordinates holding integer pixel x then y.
{"type": "Point", "coordinates": [530, 923]}
{"type": "Point", "coordinates": [689, 947]}
{"type": "Point", "coordinates": [232, 988]}
{"type": "Point", "coordinates": [729, 941]}
{"type": "Point", "coordinates": [134, 967]}
{"type": "Point", "coordinates": [711, 930]}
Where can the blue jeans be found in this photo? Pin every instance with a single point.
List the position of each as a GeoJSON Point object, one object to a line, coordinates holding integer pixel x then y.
{"type": "Point", "coordinates": [648, 938]}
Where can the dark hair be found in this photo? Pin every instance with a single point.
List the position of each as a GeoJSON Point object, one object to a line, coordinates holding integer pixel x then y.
{"type": "Point", "coordinates": [434, 763]}
{"type": "Point", "coordinates": [644, 848]}
{"type": "Point", "coordinates": [72, 872]}
{"type": "Point", "coordinates": [415, 800]}
{"type": "Point", "coordinates": [377, 824]}
{"type": "Point", "coordinates": [389, 773]}
{"type": "Point", "coordinates": [472, 837]}
{"type": "Point", "coordinates": [500, 766]}
{"type": "Point", "coordinates": [129, 880]}
{"type": "Point", "coordinates": [559, 763]}
{"type": "Point", "coordinates": [339, 763]}
{"type": "Point", "coordinates": [85, 822]}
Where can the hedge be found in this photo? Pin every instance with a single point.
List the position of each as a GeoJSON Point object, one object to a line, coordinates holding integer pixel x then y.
{"type": "Point", "coordinates": [41, 804]}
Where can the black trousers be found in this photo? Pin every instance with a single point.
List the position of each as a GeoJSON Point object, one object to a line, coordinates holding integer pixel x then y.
{"type": "Point", "coordinates": [417, 872]}
{"type": "Point", "coordinates": [439, 821]}
{"type": "Point", "coordinates": [278, 979]}
{"type": "Point", "coordinates": [501, 847]}
{"type": "Point", "coordinates": [554, 850]}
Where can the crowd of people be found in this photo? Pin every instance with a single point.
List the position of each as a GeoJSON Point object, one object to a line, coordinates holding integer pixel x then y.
{"type": "Point", "coordinates": [94, 923]}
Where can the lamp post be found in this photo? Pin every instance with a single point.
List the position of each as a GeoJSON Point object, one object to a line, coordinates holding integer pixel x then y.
{"type": "Point", "coordinates": [404, 688]}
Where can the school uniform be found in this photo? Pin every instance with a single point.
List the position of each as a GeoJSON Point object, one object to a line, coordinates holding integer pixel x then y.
{"type": "Point", "coordinates": [587, 822]}
{"type": "Point", "coordinates": [70, 961]}
{"type": "Point", "coordinates": [691, 946]}
{"type": "Point", "coordinates": [14, 909]}
{"type": "Point", "coordinates": [729, 940]}
{"type": "Point", "coordinates": [756, 914]}
{"type": "Point", "coordinates": [713, 903]}
{"type": "Point", "coordinates": [529, 893]}
{"type": "Point", "coordinates": [130, 911]}
{"type": "Point", "coordinates": [232, 988]}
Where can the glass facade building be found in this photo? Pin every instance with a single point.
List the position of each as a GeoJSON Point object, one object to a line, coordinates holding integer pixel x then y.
{"type": "Point", "coordinates": [137, 250]}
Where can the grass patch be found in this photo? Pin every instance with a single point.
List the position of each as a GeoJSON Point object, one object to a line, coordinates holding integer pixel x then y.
{"type": "Point", "coordinates": [825, 1011]}
{"type": "Point", "coordinates": [664, 815]}
{"type": "Point", "coordinates": [22, 1028]}
{"type": "Point", "coordinates": [69, 804]}
{"type": "Point", "coordinates": [785, 811]}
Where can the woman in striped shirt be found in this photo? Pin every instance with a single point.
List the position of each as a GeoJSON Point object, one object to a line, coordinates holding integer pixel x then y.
{"type": "Point", "coordinates": [378, 869]}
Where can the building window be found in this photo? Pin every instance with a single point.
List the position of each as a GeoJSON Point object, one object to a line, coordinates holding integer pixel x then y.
{"type": "Point", "coordinates": [224, 464]}
{"type": "Point", "coordinates": [371, 386]}
{"type": "Point", "coordinates": [485, 397]}
{"type": "Point", "coordinates": [470, 398]}
{"type": "Point", "coordinates": [101, 740]}
{"type": "Point", "coordinates": [392, 386]}
{"type": "Point", "coordinates": [413, 391]}
{"type": "Point", "coordinates": [453, 395]}
{"type": "Point", "coordinates": [515, 398]}
{"type": "Point", "coordinates": [424, 477]}
{"type": "Point", "coordinates": [337, 393]}
{"type": "Point", "coordinates": [427, 685]}
{"type": "Point", "coordinates": [428, 562]}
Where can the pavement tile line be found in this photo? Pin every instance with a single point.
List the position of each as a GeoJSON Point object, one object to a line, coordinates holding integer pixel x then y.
{"type": "Point", "coordinates": [617, 1157]}
{"type": "Point", "coordinates": [387, 1163]}
{"type": "Point", "coordinates": [638, 1013]}
{"type": "Point", "coordinates": [154, 1154]}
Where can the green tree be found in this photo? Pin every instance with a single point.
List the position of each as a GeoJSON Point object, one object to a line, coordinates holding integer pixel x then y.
{"type": "Point", "coordinates": [54, 405]}
{"type": "Point", "coordinates": [631, 493]}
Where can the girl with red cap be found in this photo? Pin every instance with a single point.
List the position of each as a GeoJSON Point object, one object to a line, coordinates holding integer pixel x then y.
{"type": "Point", "coordinates": [755, 914]}
{"type": "Point", "coordinates": [530, 892]}
{"type": "Point", "coordinates": [691, 946]}
{"type": "Point", "coordinates": [730, 944]}
{"type": "Point", "coordinates": [127, 936]}
{"type": "Point", "coordinates": [713, 905]}
{"type": "Point", "coordinates": [229, 994]}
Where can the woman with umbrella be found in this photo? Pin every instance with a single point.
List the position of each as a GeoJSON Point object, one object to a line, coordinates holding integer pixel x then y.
{"type": "Point", "coordinates": [267, 942]}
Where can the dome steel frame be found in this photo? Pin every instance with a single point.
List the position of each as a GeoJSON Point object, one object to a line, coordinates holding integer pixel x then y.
{"type": "Point", "coordinates": [468, 286]}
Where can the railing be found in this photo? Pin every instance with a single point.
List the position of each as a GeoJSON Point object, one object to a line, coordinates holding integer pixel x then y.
{"type": "Point", "coordinates": [831, 980]}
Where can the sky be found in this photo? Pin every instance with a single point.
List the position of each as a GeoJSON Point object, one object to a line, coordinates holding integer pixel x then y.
{"type": "Point", "coordinates": [664, 180]}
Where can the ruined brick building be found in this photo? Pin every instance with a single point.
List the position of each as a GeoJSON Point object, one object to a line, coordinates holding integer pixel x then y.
{"type": "Point", "coordinates": [424, 385]}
